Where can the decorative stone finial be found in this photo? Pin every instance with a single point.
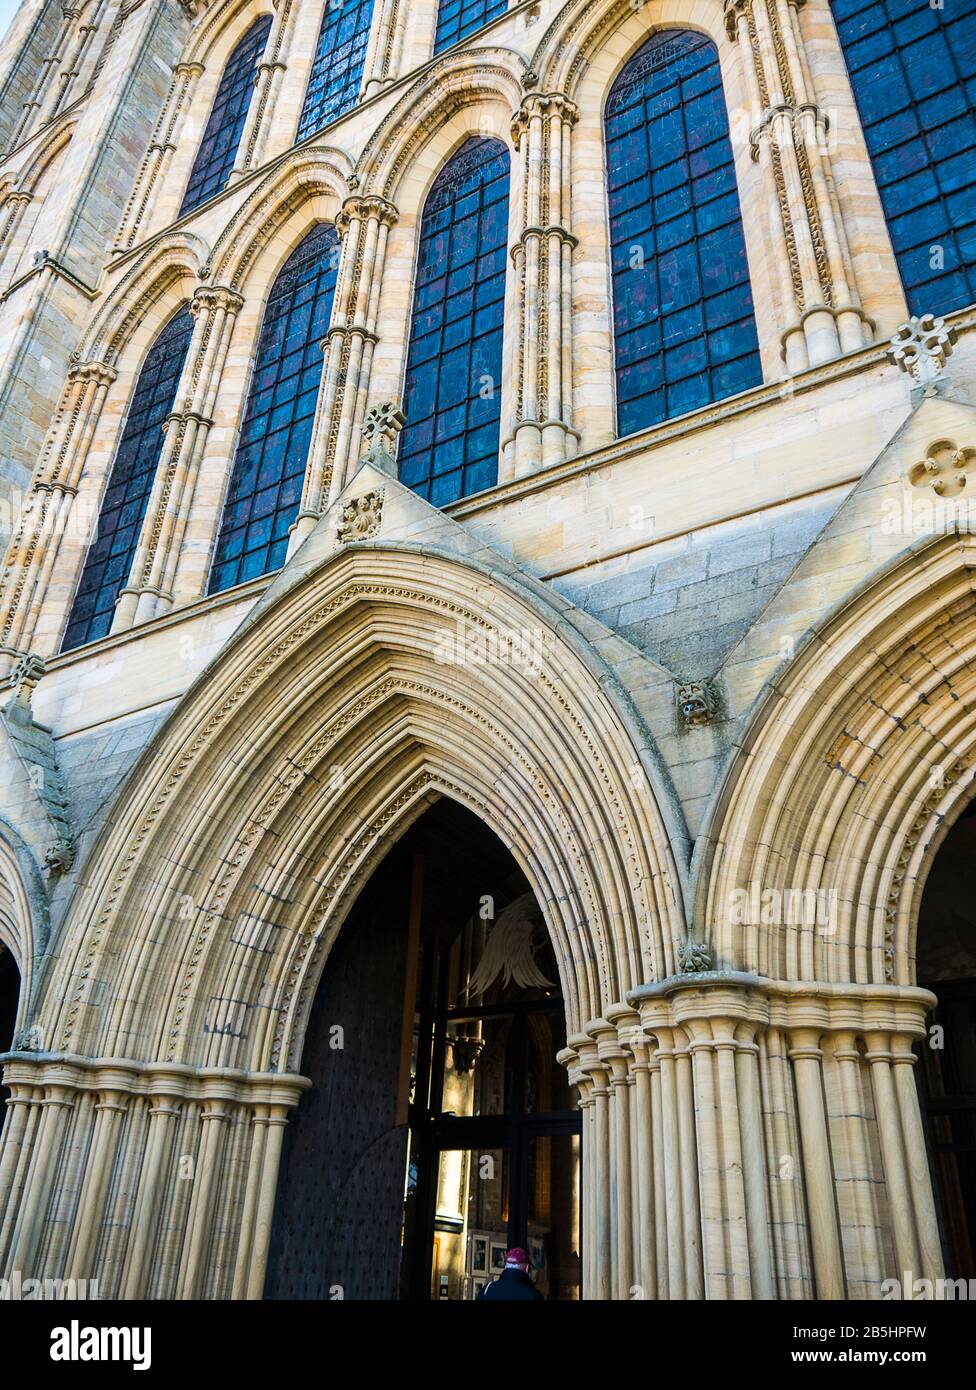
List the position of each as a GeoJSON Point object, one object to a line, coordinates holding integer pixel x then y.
{"type": "Point", "coordinates": [25, 676]}
{"type": "Point", "coordinates": [945, 470]}
{"type": "Point", "coordinates": [698, 703]}
{"type": "Point", "coordinates": [693, 958]}
{"type": "Point", "coordinates": [922, 346]}
{"type": "Point", "coordinates": [383, 424]}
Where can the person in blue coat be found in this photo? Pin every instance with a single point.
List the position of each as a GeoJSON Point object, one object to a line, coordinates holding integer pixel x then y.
{"type": "Point", "coordinates": [513, 1285]}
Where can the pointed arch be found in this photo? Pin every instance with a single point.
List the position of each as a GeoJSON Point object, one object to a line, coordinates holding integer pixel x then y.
{"type": "Point", "coordinates": [23, 914]}
{"type": "Point", "coordinates": [449, 87]}
{"type": "Point", "coordinates": [245, 832]}
{"type": "Point", "coordinates": [857, 759]}
{"type": "Point", "coordinates": [144, 298]}
{"type": "Point", "coordinates": [583, 27]}
{"type": "Point", "coordinates": [307, 187]}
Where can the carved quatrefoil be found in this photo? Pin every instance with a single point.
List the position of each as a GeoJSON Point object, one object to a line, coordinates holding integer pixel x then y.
{"type": "Point", "coordinates": [945, 468]}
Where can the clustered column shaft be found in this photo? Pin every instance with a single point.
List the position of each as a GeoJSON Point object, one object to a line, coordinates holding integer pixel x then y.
{"type": "Point", "coordinates": [542, 433]}
{"type": "Point", "coordinates": [789, 142]}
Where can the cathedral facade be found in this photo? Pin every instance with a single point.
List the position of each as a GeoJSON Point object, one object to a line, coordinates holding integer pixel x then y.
{"type": "Point", "coordinates": [488, 629]}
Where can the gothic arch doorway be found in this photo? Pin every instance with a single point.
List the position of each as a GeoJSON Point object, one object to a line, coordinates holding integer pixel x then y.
{"type": "Point", "coordinates": [947, 1068]}
{"type": "Point", "coordinates": [440, 1128]}
{"type": "Point", "coordinates": [9, 1005]}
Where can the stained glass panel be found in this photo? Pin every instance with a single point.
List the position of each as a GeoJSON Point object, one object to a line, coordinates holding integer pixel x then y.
{"type": "Point", "coordinates": [123, 510]}
{"type": "Point", "coordinates": [913, 71]}
{"type": "Point", "coordinates": [456, 19]}
{"type": "Point", "coordinates": [218, 148]}
{"type": "Point", "coordinates": [449, 447]}
{"type": "Point", "coordinates": [337, 71]}
{"type": "Point", "coordinates": [265, 487]}
{"type": "Point", "coordinates": [683, 316]}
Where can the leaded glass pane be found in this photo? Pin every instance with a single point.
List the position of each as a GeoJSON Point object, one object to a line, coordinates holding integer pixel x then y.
{"type": "Point", "coordinates": [449, 447]}
{"type": "Point", "coordinates": [913, 71]}
{"type": "Point", "coordinates": [684, 329]}
{"type": "Point", "coordinates": [123, 510]}
{"type": "Point", "coordinates": [218, 148]}
{"type": "Point", "coordinates": [337, 71]}
{"type": "Point", "coordinates": [456, 19]}
{"type": "Point", "coordinates": [269, 467]}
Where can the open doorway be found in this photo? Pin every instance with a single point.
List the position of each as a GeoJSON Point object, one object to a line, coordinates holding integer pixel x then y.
{"type": "Point", "coordinates": [946, 964]}
{"type": "Point", "coordinates": [440, 1129]}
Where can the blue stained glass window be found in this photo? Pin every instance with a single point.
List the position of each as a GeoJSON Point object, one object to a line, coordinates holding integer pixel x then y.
{"type": "Point", "coordinates": [449, 446]}
{"type": "Point", "coordinates": [337, 71]}
{"type": "Point", "coordinates": [218, 148]}
{"type": "Point", "coordinates": [913, 71]}
{"type": "Point", "coordinates": [684, 330]}
{"type": "Point", "coordinates": [110, 556]}
{"type": "Point", "coordinates": [266, 479]}
{"type": "Point", "coordinates": [456, 19]}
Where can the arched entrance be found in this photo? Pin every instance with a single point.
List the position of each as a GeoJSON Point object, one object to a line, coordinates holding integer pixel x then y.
{"type": "Point", "coordinates": [946, 964]}
{"type": "Point", "coordinates": [440, 1129]}
{"type": "Point", "coordinates": [9, 1004]}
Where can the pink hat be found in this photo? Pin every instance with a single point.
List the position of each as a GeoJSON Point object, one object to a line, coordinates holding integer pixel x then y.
{"type": "Point", "coordinates": [517, 1256]}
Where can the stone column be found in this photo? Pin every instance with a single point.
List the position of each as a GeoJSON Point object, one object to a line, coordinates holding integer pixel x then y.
{"type": "Point", "coordinates": [164, 1109]}
{"type": "Point", "coordinates": [273, 1121]}
{"type": "Point", "coordinates": [56, 1105]}
{"type": "Point", "coordinates": [789, 142]}
{"type": "Point", "coordinates": [364, 226]}
{"type": "Point", "coordinates": [23, 1107]}
{"type": "Point", "coordinates": [33, 551]}
{"type": "Point", "coordinates": [754, 1165]}
{"type": "Point", "coordinates": [214, 1116]}
{"type": "Point", "coordinates": [158, 158]}
{"type": "Point", "coordinates": [541, 432]}
{"type": "Point", "coordinates": [268, 81]}
{"type": "Point", "coordinates": [916, 1158]}
{"type": "Point", "coordinates": [596, 1169]}
{"type": "Point", "coordinates": [15, 204]}
{"type": "Point", "coordinates": [79, 36]}
{"type": "Point", "coordinates": [612, 1054]}
{"type": "Point", "coordinates": [151, 580]}
{"type": "Point", "coordinates": [828, 1259]}
{"type": "Point", "coordinates": [645, 1161]}
{"type": "Point", "coordinates": [49, 65]}
{"type": "Point", "coordinates": [110, 1108]}
{"type": "Point", "coordinates": [385, 47]}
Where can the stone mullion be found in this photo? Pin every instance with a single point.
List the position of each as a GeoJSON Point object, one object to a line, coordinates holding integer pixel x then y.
{"type": "Point", "coordinates": [151, 178]}
{"type": "Point", "coordinates": [268, 81]}
{"type": "Point", "coordinates": [828, 1261]}
{"type": "Point", "coordinates": [34, 553]}
{"type": "Point", "coordinates": [163, 1110]}
{"type": "Point", "coordinates": [364, 225]}
{"type": "Point", "coordinates": [383, 57]}
{"type": "Point", "coordinates": [187, 430]}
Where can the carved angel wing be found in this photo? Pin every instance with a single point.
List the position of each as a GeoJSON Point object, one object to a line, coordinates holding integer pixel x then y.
{"type": "Point", "coordinates": [509, 952]}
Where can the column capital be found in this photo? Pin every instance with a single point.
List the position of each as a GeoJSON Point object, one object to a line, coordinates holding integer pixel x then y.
{"type": "Point", "coordinates": [366, 207]}
{"type": "Point", "coordinates": [95, 370]}
{"type": "Point", "coordinates": [543, 104]}
{"type": "Point", "coordinates": [210, 297]}
{"type": "Point", "coordinates": [189, 70]}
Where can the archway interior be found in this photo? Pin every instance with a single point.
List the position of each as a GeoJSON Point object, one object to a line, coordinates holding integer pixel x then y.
{"type": "Point", "coordinates": [946, 964]}
{"type": "Point", "coordinates": [9, 1002]}
{"type": "Point", "coordinates": [440, 1129]}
